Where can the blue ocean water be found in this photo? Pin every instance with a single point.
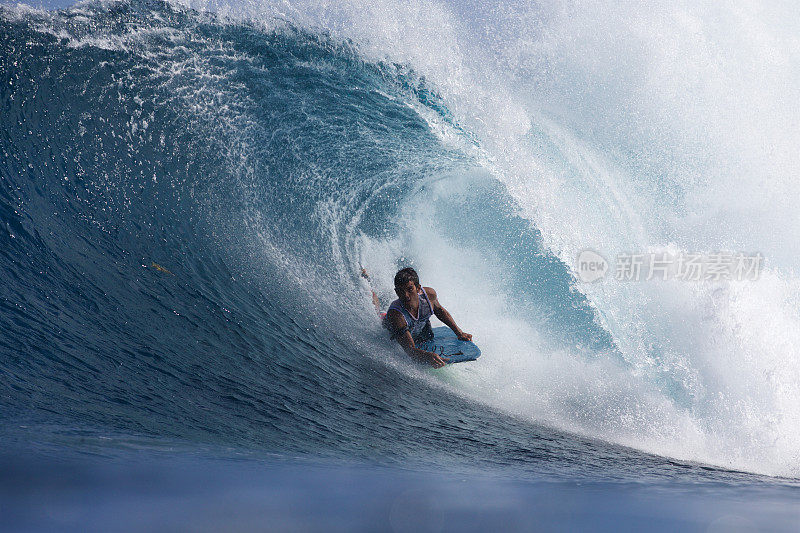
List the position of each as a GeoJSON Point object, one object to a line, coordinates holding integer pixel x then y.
{"type": "Point", "coordinates": [187, 198]}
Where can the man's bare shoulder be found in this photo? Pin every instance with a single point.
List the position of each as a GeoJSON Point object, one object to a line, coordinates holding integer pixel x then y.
{"type": "Point", "coordinates": [430, 292]}
{"type": "Point", "coordinates": [395, 316]}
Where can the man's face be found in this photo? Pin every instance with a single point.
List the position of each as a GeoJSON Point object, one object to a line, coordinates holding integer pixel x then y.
{"type": "Point", "coordinates": [408, 293]}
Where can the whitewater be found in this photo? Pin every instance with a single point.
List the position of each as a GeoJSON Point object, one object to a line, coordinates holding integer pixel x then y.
{"type": "Point", "coordinates": [189, 191]}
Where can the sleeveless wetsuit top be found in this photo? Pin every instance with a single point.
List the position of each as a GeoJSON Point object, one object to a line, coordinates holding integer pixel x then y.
{"type": "Point", "coordinates": [420, 327]}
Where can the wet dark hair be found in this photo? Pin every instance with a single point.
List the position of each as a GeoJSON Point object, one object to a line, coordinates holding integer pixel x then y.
{"type": "Point", "coordinates": [404, 276]}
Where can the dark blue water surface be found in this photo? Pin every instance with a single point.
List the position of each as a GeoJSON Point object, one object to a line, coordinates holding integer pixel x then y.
{"type": "Point", "coordinates": [183, 342]}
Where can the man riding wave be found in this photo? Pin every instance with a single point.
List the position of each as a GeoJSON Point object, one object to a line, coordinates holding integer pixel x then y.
{"type": "Point", "coordinates": [408, 317]}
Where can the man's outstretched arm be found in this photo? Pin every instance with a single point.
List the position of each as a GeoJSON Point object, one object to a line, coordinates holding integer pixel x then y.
{"type": "Point", "coordinates": [375, 301]}
{"type": "Point", "coordinates": [400, 331]}
{"type": "Point", "coordinates": [445, 316]}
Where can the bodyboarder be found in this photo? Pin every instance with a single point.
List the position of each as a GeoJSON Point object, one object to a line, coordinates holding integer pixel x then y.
{"type": "Point", "coordinates": [408, 317]}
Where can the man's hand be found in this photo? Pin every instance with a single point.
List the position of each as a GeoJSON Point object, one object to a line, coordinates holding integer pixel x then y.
{"type": "Point", "coordinates": [437, 361]}
{"type": "Point", "coordinates": [464, 336]}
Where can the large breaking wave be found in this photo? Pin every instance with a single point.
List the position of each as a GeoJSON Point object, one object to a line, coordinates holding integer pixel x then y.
{"type": "Point", "coordinates": [188, 193]}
